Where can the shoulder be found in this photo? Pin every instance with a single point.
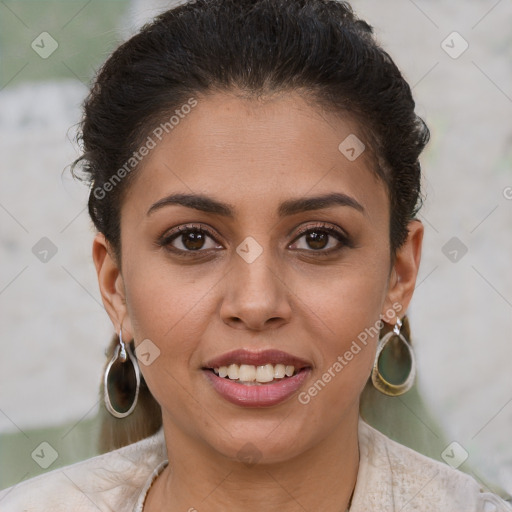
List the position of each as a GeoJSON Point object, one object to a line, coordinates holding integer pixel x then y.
{"type": "Point", "coordinates": [415, 482]}
{"type": "Point", "coordinates": [112, 481]}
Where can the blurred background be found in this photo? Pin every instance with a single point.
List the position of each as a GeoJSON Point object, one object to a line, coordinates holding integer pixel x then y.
{"type": "Point", "coordinates": [457, 57]}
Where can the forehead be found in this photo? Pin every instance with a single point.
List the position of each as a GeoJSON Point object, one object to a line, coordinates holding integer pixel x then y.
{"type": "Point", "coordinates": [254, 151]}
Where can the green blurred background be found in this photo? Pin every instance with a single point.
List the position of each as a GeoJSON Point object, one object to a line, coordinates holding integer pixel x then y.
{"type": "Point", "coordinates": [85, 30]}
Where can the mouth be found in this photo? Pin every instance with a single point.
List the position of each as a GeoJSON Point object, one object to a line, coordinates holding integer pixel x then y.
{"type": "Point", "coordinates": [257, 379]}
{"type": "Point", "coordinates": [251, 375]}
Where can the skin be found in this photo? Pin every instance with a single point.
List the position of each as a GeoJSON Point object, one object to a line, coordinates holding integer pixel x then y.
{"type": "Point", "coordinates": [255, 154]}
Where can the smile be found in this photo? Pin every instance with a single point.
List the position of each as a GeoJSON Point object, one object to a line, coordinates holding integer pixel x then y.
{"type": "Point", "coordinates": [255, 375]}
{"type": "Point", "coordinates": [256, 379]}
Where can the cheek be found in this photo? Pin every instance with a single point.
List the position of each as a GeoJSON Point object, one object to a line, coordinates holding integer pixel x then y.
{"type": "Point", "coordinates": [350, 298]}
{"type": "Point", "coordinates": [161, 295]}
{"type": "Point", "coordinates": [164, 306]}
{"type": "Point", "coordinates": [172, 306]}
{"type": "Point", "coordinates": [348, 308]}
{"type": "Point", "coordinates": [166, 310]}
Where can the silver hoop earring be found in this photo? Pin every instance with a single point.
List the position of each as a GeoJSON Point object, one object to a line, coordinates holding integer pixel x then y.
{"type": "Point", "coordinates": [394, 369]}
{"type": "Point", "coordinates": [121, 381]}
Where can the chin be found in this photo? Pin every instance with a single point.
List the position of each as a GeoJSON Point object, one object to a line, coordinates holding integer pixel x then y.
{"type": "Point", "coordinates": [262, 443]}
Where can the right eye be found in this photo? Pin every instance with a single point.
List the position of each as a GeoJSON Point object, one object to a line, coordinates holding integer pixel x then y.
{"type": "Point", "coordinates": [189, 239]}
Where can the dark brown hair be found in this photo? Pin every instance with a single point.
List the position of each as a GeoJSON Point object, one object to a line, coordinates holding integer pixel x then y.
{"type": "Point", "coordinates": [318, 48]}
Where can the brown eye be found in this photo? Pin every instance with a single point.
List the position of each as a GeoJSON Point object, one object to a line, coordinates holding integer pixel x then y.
{"type": "Point", "coordinates": [322, 239]}
{"type": "Point", "coordinates": [189, 240]}
{"type": "Point", "coordinates": [317, 239]}
{"type": "Point", "coordinates": [193, 240]}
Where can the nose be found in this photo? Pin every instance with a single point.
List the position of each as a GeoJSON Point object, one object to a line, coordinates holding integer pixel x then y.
{"type": "Point", "coordinates": [257, 296]}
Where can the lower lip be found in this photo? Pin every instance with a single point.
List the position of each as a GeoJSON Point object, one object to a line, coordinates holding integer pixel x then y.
{"type": "Point", "coordinates": [265, 395]}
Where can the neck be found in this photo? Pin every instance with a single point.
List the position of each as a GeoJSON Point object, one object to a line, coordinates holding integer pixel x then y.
{"type": "Point", "coordinates": [199, 479]}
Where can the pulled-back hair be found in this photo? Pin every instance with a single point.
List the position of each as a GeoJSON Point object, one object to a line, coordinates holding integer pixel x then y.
{"type": "Point", "coordinates": [317, 48]}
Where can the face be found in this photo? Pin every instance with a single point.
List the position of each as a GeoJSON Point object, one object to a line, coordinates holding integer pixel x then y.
{"type": "Point", "coordinates": [280, 256]}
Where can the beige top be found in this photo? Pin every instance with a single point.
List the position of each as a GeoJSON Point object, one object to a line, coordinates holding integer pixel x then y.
{"type": "Point", "coordinates": [391, 478]}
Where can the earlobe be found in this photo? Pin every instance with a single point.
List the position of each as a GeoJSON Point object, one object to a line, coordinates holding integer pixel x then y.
{"type": "Point", "coordinates": [110, 280]}
{"type": "Point", "coordinates": [405, 269]}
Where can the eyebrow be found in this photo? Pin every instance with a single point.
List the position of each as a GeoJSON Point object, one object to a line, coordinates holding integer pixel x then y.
{"type": "Point", "coordinates": [288, 207]}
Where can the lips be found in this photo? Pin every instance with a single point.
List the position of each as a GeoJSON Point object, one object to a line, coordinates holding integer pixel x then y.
{"type": "Point", "coordinates": [268, 391]}
{"type": "Point", "coordinates": [260, 358]}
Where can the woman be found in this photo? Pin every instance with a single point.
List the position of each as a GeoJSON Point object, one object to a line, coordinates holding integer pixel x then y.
{"type": "Point", "coordinates": [254, 182]}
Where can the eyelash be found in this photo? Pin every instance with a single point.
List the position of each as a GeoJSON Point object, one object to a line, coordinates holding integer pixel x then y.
{"type": "Point", "coordinates": [166, 240]}
{"type": "Point", "coordinates": [330, 230]}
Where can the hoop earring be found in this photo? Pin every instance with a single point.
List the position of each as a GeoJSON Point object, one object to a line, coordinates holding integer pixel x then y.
{"type": "Point", "coordinates": [121, 381]}
{"type": "Point", "coordinates": [394, 369]}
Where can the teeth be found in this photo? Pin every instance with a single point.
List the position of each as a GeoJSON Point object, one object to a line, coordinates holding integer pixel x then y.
{"type": "Point", "coordinates": [264, 373]}
{"type": "Point", "coordinates": [233, 371]}
{"type": "Point", "coordinates": [279, 371]}
{"type": "Point", "coordinates": [248, 373]}
{"type": "Point", "coordinates": [259, 374]}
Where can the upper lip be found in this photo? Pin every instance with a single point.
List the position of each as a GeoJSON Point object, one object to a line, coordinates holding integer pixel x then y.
{"type": "Point", "coordinates": [256, 358]}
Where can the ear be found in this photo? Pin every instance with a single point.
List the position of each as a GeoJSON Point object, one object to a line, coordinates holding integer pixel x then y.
{"type": "Point", "coordinates": [111, 284]}
{"type": "Point", "coordinates": [403, 275]}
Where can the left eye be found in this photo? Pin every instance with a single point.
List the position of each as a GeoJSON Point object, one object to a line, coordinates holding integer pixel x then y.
{"type": "Point", "coordinates": [318, 238]}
